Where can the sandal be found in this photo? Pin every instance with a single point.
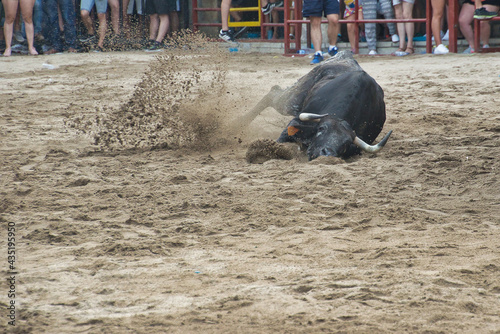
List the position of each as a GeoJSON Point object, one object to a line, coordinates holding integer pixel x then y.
{"type": "Point", "coordinates": [399, 52]}
{"type": "Point", "coordinates": [409, 51]}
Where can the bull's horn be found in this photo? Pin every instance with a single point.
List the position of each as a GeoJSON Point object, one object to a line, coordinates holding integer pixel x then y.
{"type": "Point", "coordinates": [372, 148]}
{"type": "Point", "coordinates": [305, 117]}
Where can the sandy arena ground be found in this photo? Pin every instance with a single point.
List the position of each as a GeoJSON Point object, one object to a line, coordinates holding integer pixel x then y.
{"type": "Point", "coordinates": [137, 212]}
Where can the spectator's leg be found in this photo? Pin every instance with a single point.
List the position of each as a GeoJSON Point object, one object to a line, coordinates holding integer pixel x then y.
{"type": "Point", "coordinates": [27, 13]}
{"type": "Point", "coordinates": [163, 27]}
{"type": "Point", "coordinates": [115, 15]}
{"type": "Point", "coordinates": [102, 28]}
{"type": "Point", "coordinates": [154, 23]}
{"type": "Point", "coordinates": [388, 12]}
{"type": "Point", "coordinates": [333, 28]}
{"type": "Point", "coordinates": [370, 13]}
{"type": "Point", "coordinates": [409, 26]}
{"type": "Point", "coordinates": [465, 21]}
{"type": "Point", "coordinates": [437, 16]}
{"type": "Point", "coordinates": [68, 16]}
{"type": "Point", "coordinates": [87, 21]}
{"type": "Point", "coordinates": [125, 18]}
{"type": "Point", "coordinates": [316, 32]}
{"type": "Point", "coordinates": [398, 11]}
{"type": "Point", "coordinates": [10, 9]}
{"type": "Point", "coordinates": [174, 21]}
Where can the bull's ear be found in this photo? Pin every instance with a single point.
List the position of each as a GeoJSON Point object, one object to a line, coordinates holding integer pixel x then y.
{"type": "Point", "coordinates": [298, 132]}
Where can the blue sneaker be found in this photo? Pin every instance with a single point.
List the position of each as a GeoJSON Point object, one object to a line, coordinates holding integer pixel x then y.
{"type": "Point", "coordinates": [317, 59]}
{"type": "Point", "coordinates": [333, 51]}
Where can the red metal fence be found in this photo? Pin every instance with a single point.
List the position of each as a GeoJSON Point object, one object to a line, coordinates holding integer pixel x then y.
{"type": "Point", "coordinates": [295, 7]}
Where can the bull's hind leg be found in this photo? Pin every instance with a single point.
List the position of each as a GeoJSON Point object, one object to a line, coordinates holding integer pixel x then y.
{"type": "Point", "coordinates": [266, 101]}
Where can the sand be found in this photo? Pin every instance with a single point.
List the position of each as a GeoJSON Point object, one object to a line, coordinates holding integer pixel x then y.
{"type": "Point", "coordinates": [136, 210]}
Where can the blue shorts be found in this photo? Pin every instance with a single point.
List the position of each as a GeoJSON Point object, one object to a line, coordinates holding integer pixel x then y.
{"type": "Point", "coordinates": [316, 8]}
{"type": "Point", "coordinates": [100, 5]}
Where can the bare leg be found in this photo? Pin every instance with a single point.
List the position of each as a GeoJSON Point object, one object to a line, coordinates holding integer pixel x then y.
{"type": "Point", "coordinates": [163, 28]}
{"type": "Point", "coordinates": [333, 28]}
{"type": "Point", "coordinates": [174, 21]}
{"type": "Point", "coordinates": [87, 22]}
{"type": "Point", "coordinates": [409, 26]}
{"type": "Point", "coordinates": [224, 13]}
{"type": "Point", "coordinates": [437, 16]}
{"type": "Point", "coordinates": [126, 19]}
{"type": "Point", "coordinates": [316, 32]}
{"type": "Point", "coordinates": [27, 13]}
{"type": "Point", "coordinates": [465, 20]}
{"type": "Point", "coordinates": [102, 28]}
{"type": "Point", "coordinates": [115, 15]}
{"type": "Point", "coordinates": [10, 8]}
{"type": "Point", "coordinates": [154, 23]}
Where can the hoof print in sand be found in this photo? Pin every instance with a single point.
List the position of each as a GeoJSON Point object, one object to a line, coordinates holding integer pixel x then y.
{"type": "Point", "coordinates": [265, 149]}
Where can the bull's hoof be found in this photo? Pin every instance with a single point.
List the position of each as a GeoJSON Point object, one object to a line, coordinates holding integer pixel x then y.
{"type": "Point", "coordinates": [265, 149]}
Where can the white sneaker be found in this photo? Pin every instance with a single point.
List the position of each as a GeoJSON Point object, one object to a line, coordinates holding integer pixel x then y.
{"type": "Point", "coordinates": [372, 53]}
{"type": "Point", "coordinates": [446, 36]}
{"type": "Point", "coordinates": [441, 49]}
{"type": "Point", "coordinates": [395, 38]}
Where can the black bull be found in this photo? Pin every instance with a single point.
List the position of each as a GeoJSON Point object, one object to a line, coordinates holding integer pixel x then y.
{"type": "Point", "coordinates": [339, 109]}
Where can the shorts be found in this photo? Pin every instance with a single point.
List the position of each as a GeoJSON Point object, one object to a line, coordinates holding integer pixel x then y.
{"type": "Point", "coordinates": [138, 6]}
{"type": "Point", "coordinates": [485, 2]}
{"type": "Point", "coordinates": [397, 2]}
{"type": "Point", "coordinates": [350, 7]}
{"type": "Point", "coordinates": [100, 5]}
{"type": "Point", "coordinates": [316, 8]}
{"type": "Point", "coordinates": [160, 7]}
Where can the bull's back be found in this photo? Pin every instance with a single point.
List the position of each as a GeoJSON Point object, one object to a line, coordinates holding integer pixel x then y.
{"type": "Point", "coordinates": [352, 96]}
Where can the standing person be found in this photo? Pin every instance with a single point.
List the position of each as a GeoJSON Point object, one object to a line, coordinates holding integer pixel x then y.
{"type": "Point", "coordinates": [437, 18]}
{"type": "Point", "coordinates": [158, 11]}
{"type": "Point", "coordinates": [52, 27]}
{"type": "Point", "coordinates": [404, 10]}
{"type": "Point", "coordinates": [370, 10]}
{"type": "Point", "coordinates": [482, 12]}
{"type": "Point", "coordinates": [101, 8]}
{"type": "Point", "coordinates": [225, 34]}
{"type": "Point", "coordinates": [467, 14]}
{"type": "Point", "coordinates": [314, 10]}
{"type": "Point", "coordinates": [10, 9]}
{"type": "Point", "coordinates": [350, 8]}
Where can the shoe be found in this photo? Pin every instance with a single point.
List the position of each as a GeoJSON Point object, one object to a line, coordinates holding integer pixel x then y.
{"type": "Point", "coordinates": [226, 36]}
{"type": "Point", "coordinates": [483, 13]}
{"type": "Point", "coordinates": [333, 51]}
{"type": "Point", "coordinates": [395, 38]}
{"type": "Point", "coordinates": [486, 46]}
{"type": "Point", "coordinates": [98, 49]}
{"type": "Point", "coordinates": [156, 47]}
{"type": "Point", "coordinates": [441, 49]}
{"type": "Point", "coordinates": [469, 50]}
{"type": "Point", "coordinates": [317, 59]}
{"type": "Point", "coordinates": [270, 6]}
{"type": "Point", "coordinates": [372, 53]}
{"type": "Point", "coordinates": [446, 36]}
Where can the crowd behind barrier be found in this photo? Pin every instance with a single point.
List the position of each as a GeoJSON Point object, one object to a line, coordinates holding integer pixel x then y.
{"type": "Point", "coordinates": [53, 26]}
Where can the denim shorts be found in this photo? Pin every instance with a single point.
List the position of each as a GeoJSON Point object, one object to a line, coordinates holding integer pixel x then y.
{"type": "Point", "coordinates": [316, 8]}
{"type": "Point", "coordinates": [100, 5]}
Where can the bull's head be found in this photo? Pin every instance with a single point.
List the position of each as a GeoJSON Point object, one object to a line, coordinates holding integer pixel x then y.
{"type": "Point", "coordinates": [326, 135]}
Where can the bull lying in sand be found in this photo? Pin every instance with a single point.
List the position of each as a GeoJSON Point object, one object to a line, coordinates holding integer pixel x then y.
{"type": "Point", "coordinates": [338, 109]}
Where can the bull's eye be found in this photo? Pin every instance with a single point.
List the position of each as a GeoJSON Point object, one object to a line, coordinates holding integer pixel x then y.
{"type": "Point", "coordinates": [321, 129]}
